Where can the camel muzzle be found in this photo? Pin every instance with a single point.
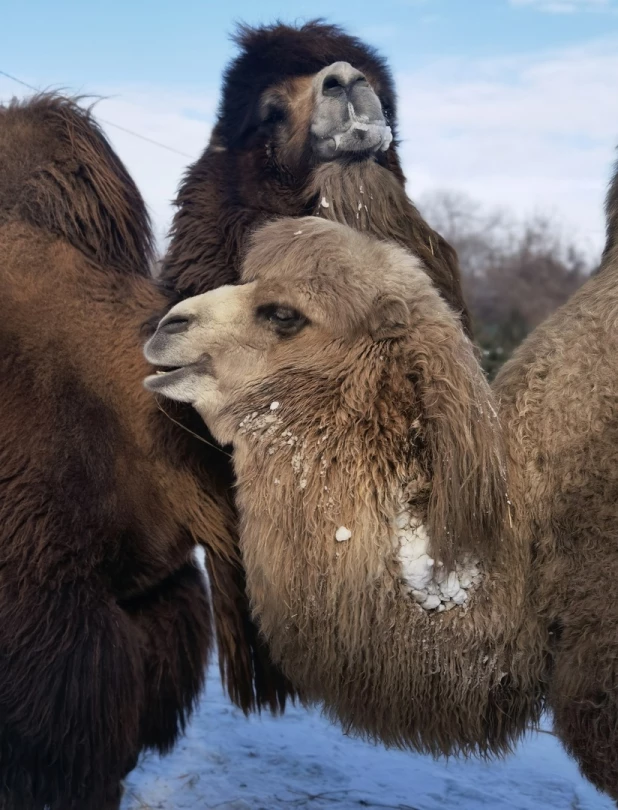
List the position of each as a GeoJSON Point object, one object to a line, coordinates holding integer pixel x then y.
{"type": "Point", "coordinates": [347, 118]}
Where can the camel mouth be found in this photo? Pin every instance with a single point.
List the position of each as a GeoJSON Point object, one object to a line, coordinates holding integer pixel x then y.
{"type": "Point", "coordinates": [167, 369]}
{"type": "Point", "coordinates": [360, 139]}
{"type": "Point", "coordinates": [166, 376]}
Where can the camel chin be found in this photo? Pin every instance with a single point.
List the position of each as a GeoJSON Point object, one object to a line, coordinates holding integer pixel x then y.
{"type": "Point", "coordinates": [181, 384]}
{"type": "Point", "coordinates": [192, 383]}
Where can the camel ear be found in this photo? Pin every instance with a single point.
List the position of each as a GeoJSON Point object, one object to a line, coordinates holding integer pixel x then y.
{"type": "Point", "coordinates": [463, 442]}
{"type": "Point", "coordinates": [390, 317]}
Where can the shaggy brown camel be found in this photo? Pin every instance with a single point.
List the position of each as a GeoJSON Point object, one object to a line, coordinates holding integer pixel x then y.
{"type": "Point", "coordinates": [394, 573]}
{"type": "Point", "coordinates": [307, 124]}
{"type": "Point", "coordinates": [559, 409]}
{"type": "Point", "coordinates": [105, 622]}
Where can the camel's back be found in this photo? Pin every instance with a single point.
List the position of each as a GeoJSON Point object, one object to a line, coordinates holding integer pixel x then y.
{"type": "Point", "coordinates": [559, 408]}
{"type": "Point", "coordinates": [59, 172]}
{"type": "Point", "coordinates": [558, 386]}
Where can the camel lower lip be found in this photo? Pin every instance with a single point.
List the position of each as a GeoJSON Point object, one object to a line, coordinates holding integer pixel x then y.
{"type": "Point", "coordinates": [161, 378]}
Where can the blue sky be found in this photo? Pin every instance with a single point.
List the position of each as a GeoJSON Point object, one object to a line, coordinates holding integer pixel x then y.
{"type": "Point", "coordinates": [510, 101]}
{"type": "Point", "coordinates": [187, 42]}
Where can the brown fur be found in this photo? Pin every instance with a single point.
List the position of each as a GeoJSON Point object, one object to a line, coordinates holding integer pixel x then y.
{"type": "Point", "coordinates": [91, 201]}
{"type": "Point", "coordinates": [360, 389]}
{"type": "Point", "coordinates": [104, 618]}
{"type": "Point", "coordinates": [253, 171]}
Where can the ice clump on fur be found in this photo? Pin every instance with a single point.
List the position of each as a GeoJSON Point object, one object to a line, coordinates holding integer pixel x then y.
{"type": "Point", "coordinates": [429, 584]}
{"type": "Point", "coordinates": [342, 534]}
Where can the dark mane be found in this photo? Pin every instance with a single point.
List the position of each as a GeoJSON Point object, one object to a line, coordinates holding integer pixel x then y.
{"type": "Point", "coordinates": [273, 53]}
{"type": "Point", "coordinates": [58, 172]}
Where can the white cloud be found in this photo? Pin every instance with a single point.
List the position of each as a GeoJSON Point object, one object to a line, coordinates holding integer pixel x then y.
{"type": "Point", "coordinates": [566, 6]}
{"type": "Point", "coordinates": [531, 133]}
{"type": "Point", "coordinates": [180, 119]}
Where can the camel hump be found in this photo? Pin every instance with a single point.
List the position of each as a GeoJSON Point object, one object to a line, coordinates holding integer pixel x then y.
{"type": "Point", "coordinates": [59, 172]}
{"type": "Point", "coordinates": [612, 214]}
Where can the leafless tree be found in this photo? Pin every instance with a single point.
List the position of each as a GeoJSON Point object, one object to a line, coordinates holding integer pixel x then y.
{"type": "Point", "coordinates": [515, 273]}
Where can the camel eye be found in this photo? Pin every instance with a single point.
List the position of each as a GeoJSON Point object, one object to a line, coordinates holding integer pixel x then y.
{"type": "Point", "coordinates": [272, 114]}
{"type": "Point", "coordinates": [285, 320]}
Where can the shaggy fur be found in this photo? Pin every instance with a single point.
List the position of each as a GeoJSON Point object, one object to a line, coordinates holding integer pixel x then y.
{"type": "Point", "coordinates": [105, 624]}
{"type": "Point", "coordinates": [255, 169]}
{"type": "Point", "coordinates": [332, 422]}
{"type": "Point", "coordinates": [72, 185]}
{"type": "Point", "coordinates": [378, 401]}
{"type": "Point", "coordinates": [559, 409]}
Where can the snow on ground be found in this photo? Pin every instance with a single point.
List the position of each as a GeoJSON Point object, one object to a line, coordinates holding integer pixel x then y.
{"type": "Point", "coordinates": [301, 761]}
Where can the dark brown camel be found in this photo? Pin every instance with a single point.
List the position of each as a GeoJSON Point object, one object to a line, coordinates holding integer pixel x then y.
{"type": "Point", "coordinates": [105, 622]}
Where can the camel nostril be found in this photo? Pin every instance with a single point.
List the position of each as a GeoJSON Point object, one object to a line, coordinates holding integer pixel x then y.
{"type": "Point", "coordinates": [340, 79]}
{"type": "Point", "coordinates": [332, 86]}
{"type": "Point", "coordinates": [174, 324]}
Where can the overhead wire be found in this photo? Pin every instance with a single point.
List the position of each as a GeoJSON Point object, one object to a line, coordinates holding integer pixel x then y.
{"type": "Point", "coordinates": [109, 123]}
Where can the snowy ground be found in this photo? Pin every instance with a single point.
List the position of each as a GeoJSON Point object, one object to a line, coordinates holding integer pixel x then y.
{"type": "Point", "coordinates": [301, 761]}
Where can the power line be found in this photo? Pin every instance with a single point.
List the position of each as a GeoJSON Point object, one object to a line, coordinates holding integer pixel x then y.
{"type": "Point", "coordinates": [109, 123]}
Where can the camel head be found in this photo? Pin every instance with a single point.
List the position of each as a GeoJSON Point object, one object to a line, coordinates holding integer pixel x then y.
{"type": "Point", "coordinates": [298, 97]}
{"type": "Point", "coordinates": [330, 327]}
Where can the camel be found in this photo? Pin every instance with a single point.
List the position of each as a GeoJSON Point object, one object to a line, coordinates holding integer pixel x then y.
{"type": "Point", "coordinates": [105, 619]}
{"type": "Point", "coordinates": [286, 143]}
{"type": "Point", "coordinates": [559, 409]}
{"type": "Point", "coordinates": [428, 558]}
{"type": "Point", "coordinates": [307, 124]}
